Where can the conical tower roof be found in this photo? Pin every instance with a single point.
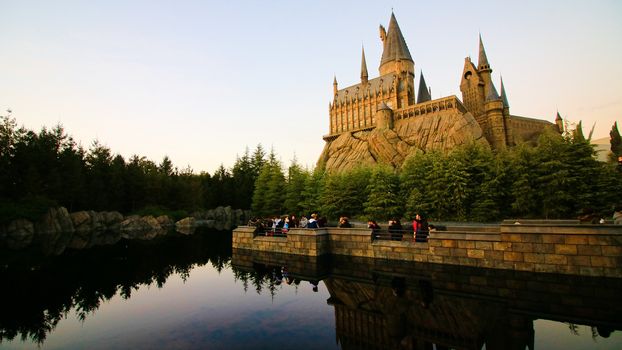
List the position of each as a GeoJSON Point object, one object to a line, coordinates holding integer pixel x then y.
{"type": "Point", "coordinates": [493, 95]}
{"type": "Point", "coordinates": [504, 98]}
{"type": "Point", "coordinates": [482, 61]}
{"type": "Point", "coordinates": [364, 75]}
{"type": "Point", "coordinates": [424, 94]}
{"type": "Point", "coordinates": [394, 45]}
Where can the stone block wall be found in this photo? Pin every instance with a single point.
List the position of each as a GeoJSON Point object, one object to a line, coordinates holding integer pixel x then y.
{"type": "Point", "coordinates": [588, 250]}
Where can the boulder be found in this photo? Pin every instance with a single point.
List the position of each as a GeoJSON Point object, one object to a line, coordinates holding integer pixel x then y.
{"type": "Point", "coordinates": [54, 231]}
{"type": "Point", "coordinates": [186, 225]}
{"type": "Point", "coordinates": [112, 220]}
{"type": "Point", "coordinates": [19, 234]}
{"type": "Point", "coordinates": [165, 221]}
{"type": "Point", "coordinates": [143, 228]}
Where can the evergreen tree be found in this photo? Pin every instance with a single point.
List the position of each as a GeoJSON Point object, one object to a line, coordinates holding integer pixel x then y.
{"type": "Point", "coordinates": [244, 177]}
{"type": "Point", "coordinates": [313, 189]}
{"type": "Point", "coordinates": [616, 143]}
{"type": "Point", "coordinates": [296, 178]}
{"type": "Point", "coordinates": [269, 188]}
{"type": "Point", "coordinates": [383, 201]}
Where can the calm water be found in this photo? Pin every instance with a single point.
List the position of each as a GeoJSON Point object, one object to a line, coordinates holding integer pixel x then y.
{"type": "Point", "coordinates": [196, 293]}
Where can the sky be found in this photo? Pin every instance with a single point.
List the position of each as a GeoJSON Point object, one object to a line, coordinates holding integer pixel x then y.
{"type": "Point", "coordinates": [200, 81]}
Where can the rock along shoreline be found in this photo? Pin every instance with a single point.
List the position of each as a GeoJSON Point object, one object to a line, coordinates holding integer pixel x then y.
{"type": "Point", "coordinates": [58, 230]}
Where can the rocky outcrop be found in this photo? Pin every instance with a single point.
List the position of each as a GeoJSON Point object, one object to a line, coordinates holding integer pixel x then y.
{"type": "Point", "coordinates": [19, 234]}
{"type": "Point", "coordinates": [222, 218]}
{"type": "Point", "coordinates": [145, 227]}
{"type": "Point", "coordinates": [436, 131]}
{"type": "Point", "coordinates": [186, 225]}
{"type": "Point", "coordinates": [54, 231]}
{"type": "Point", "coordinates": [58, 230]}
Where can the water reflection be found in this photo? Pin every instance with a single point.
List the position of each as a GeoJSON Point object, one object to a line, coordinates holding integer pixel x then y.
{"type": "Point", "coordinates": [39, 291]}
{"type": "Point", "coordinates": [377, 304]}
{"type": "Point", "coordinates": [381, 304]}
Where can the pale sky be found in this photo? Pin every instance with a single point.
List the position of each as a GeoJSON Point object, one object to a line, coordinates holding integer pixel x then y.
{"type": "Point", "coordinates": [201, 80]}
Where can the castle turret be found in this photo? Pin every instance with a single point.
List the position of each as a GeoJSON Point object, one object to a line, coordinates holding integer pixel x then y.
{"type": "Point", "coordinates": [472, 89]}
{"type": "Point", "coordinates": [384, 117]}
{"type": "Point", "coordinates": [424, 94]}
{"type": "Point", "coordinates": [395, 55]}
{"type": "Point", "coordinates": [496, 128]}
{"type": "Point", "coordinates": [560, 123]}
{"type": "Point", "coordinates": [364, 75]}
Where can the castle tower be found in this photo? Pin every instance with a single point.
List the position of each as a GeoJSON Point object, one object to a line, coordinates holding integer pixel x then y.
{"type": "Point", "coordinates": [395, 55]}
{"type": "Point", "coordinates": [506, 115]}
{"type": "Point", "coordinates": [384, 117]}
{"type": "Point", "coordinates": [424, 94]}
{"type": "Point", "coordinates": [472, 88]}
{"type": "Point", "coordinates": [483, 101]}
{"type": "Point", "coordinates": [560, 123]}
{"type": "Point", "coordinates": [364, 74]}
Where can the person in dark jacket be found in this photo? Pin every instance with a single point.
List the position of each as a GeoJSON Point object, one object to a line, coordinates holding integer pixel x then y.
{"type": "Point", "coordinates": [395, 229]}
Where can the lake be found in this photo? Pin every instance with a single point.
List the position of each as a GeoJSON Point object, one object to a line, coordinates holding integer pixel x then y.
{"type": "Point", "coordinates": [195, 292]}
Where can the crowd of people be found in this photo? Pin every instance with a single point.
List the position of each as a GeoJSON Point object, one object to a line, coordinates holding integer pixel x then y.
{"type": "Point", "coordinates": [280, 225]}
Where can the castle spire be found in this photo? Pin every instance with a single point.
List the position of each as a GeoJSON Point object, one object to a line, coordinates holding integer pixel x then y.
{"type": "Point", "coordinates": [364, 75]}
{"type": "Point", "coordinates": [335, 89]}
{"type": "Point", "coordinates": [394, 44]}
{"type": "Point", "coordinates": [424, 94]}
{"type": "Point", "coordinates": [504, 97]}
{"type": "Point", "coordinates": [482, 61]}
{"type": "Point", "coordinates": [492, 95]}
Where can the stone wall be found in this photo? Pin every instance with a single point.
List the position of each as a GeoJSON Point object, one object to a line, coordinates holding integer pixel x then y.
{"type": "Point", "coordinates": [588, 250]}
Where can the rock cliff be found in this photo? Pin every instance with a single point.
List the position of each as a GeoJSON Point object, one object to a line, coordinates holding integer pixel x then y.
{"type": "Point", "coordinates": [437, 131]}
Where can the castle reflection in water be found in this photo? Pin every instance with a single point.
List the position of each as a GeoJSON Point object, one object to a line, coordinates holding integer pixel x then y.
{"type": "Point", "coordinates": [378, 304]}
{"type": "Point", "coordinates": [382, 304]}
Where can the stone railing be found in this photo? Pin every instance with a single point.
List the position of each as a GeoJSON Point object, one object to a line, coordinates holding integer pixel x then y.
{"type": "Point", "coordinates": [590, 250]}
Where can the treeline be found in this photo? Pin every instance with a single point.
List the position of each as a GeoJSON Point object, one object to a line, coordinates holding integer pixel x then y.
{"type": "Point", "coordinates": [559, 177]}
{"type": "Point", "coordinates": [48, 168]}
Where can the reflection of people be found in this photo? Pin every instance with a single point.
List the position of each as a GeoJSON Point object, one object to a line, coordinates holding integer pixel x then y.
{"type": "Point", "coordinates": [314, 283]}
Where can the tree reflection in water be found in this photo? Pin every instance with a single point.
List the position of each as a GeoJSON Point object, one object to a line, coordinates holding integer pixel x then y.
{"type": "Point", "coordinates": [39, 291]}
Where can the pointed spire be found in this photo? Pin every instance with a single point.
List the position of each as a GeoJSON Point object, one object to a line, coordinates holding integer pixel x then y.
{"type": "Point", "coordinates": [559, 117]}
{"type": "Point", "coordinates": [424, 93]}
{"type": "Point", "coordinates": [482, 61]}
{"type": "Point", "coordinates": [493, 95]}
{"type": "Point", "coordinates": [364, 75]}
{"type": "Point", "coordinates": [504, 97]}
{"type": "Point", "coordinates": [335, 89]}
{"type": "Point", "coordinates": [394, 44]}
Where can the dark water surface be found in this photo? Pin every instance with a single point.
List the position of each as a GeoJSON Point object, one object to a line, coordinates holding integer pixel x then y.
{"type": "Point", "coordinates": [194, 292]}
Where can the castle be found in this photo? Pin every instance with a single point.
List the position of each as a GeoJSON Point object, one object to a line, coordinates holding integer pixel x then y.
{"type": "Point", "coordinates": [379, 120]}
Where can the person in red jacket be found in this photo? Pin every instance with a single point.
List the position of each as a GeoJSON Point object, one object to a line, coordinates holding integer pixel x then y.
{"type": "Point", "coordinates": [421, 228]}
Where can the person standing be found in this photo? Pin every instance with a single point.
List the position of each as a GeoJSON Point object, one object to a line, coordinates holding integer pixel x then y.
{"type": "Point", "coordinates": [420, 227]}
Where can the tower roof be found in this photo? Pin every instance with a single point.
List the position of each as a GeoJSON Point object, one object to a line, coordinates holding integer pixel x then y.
{"type": "Point", "coordinates": [559, 117]}
{"type": "Point", "coordinates": [364, 74]}
{"type": "Point", "coordinates": [482, 61]}
{"type": "Point", "coordinates": [493, 95]}
{"type": "Point", "coordinates": [394, 44]}
{"type": "Point", "coordinates": [504, 97]}
{"type": "Point", "coordinates": [423, 95]}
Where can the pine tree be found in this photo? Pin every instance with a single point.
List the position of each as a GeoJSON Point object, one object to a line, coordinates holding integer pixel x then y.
{"type": "Point", "coordinates": [296, 178]}
{"type": "Point", "coordinates": [383, 201]}
{"type": "Point", "coordinates": [616, 143]}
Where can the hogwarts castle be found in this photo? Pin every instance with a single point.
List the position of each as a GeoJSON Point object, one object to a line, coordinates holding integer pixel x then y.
{"type": "Point", "coordinates": [379, 120]}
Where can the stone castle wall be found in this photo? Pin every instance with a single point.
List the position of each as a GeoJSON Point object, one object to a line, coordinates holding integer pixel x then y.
{"type": "Point", "coordinates": [587, 250]}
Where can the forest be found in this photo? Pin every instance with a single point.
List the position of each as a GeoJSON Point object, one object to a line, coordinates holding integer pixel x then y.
{"type": "Point", "coordinates": [558, 177]}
